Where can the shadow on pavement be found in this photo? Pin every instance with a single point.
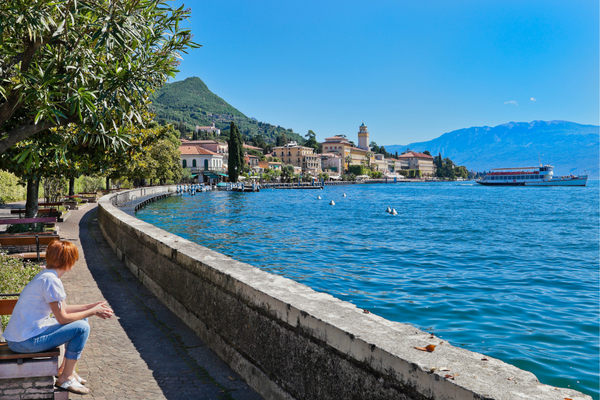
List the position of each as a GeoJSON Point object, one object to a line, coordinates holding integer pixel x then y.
{"type": "Point", "coordinates": [182, 365]}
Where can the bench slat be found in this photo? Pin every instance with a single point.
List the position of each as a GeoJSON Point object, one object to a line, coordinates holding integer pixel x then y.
{"type": "Point", "coordinates": [7, 306]}
{"type": "Point", "coordinates": [8, 354]}
{"type": "Point", "coordinates": [28, 256]}
{"type": "Point", "coordinates": [27, 240]}
{"type": "Point", "coordinates": [16, 221]}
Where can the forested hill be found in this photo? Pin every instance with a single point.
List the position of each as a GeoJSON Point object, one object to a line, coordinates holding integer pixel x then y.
{"type": "Point", "coordinates": [190, 102]}
{"type": "Point", "coordinates": [570, 147]}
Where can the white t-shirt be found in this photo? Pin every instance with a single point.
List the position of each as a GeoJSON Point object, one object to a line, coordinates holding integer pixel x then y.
{"type": "Point", "coordinates": [31, 315]}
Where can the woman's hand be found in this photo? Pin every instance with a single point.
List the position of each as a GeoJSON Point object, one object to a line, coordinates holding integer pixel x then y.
{"type": "Point", "coordinates": [67, 314]}
{"type": "Point", "coordinates": [102, 310]}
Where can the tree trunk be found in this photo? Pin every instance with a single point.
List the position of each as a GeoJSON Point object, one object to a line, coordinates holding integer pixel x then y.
{"type": "Point", "coordinates": [71, 186]}
{"type": "Point", "coordinates": [31, 205]}
{"type": "Point", "coordinates": [107, 183]}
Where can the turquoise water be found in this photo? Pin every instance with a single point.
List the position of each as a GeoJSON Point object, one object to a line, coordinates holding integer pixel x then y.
{"type": "Point", "coordinates": [507, 271]}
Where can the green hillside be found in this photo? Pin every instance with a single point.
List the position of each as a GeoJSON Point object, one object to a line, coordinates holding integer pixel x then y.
{"type": "Point", "coordinates": [190, 102]}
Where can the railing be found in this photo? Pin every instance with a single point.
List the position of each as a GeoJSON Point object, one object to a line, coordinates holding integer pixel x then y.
{"type": "Point", "coordinates": [209, 169]}
{"type": "Point", "coordinates": [128, 197]}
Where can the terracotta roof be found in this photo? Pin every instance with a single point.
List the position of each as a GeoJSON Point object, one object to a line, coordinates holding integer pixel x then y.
{"type": "Point", "coordinates": [414, 154]}
{"type": "Point", "coordinates": [191, 142]}
{"type": "Point", "coordinates": [187, 150]}
{"type": "Point", "coordinates": [247, 146]}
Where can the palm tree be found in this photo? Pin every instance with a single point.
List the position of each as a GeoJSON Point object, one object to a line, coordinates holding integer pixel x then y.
{"type": "Point", "coordinates": [348, 160]}
{"type": "Point", "coordinates": [368, 156]}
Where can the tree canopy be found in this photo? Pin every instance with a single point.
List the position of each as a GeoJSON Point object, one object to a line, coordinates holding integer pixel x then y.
{"type": "Point", "coordinates": [92, 63]}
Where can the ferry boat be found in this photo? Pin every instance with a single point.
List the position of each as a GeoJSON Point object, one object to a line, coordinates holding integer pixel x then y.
{"type": "Point", "coordinates": [530, 176]}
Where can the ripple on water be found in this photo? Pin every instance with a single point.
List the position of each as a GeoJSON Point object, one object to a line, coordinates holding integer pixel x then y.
{"type": "Point", "coordinates": [509, 272]}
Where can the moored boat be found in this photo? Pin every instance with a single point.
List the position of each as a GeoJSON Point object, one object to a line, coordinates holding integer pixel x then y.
{"type": "Point", "coordinates": [530, 176]}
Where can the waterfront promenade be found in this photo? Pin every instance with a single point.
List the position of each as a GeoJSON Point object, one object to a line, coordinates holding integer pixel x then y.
{"type": "Point", "coordinates": [144, 352]}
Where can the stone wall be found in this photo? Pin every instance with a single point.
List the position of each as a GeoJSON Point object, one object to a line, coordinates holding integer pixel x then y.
{"type": "Point", "coordinates": [289, 342]}
{"type": "Point", "coordinates": [27, 388]}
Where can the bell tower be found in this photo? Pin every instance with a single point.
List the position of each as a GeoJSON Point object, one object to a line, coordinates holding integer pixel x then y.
{"type": "Point", "coordinates": [363, 137]}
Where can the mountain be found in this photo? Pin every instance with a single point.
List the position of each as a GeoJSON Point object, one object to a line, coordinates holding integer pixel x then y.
{"type": "Point", "coordinates": [190, 102]}
{"type": "Point", "coordinates": [570, 147]}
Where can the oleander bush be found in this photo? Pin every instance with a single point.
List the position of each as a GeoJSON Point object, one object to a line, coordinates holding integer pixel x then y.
{"type": "Point", "coordinates": [14, 276]}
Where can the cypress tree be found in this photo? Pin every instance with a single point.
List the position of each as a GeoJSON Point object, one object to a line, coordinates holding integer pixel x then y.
{"type": "Point", "coordinates": [235, 162]}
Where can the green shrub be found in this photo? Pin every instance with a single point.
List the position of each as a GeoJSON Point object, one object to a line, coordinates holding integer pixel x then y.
{"type": "Point", "coordinates": [14, 276]}
{"type": "Point", "coordinates": [357, 170]}
{"type": "Point", "coordinates": [91, 184]}
{"type": "Point", "coordinates": [10, 189]}
{"type": "Point", "coordinates": [22, 228]}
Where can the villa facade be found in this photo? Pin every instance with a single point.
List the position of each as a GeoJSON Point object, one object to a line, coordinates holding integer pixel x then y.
{"type": "Point", "coordinates": [299, 156]}
{"type": "Point", "coordinates": [209, 129]}
{"type": "Point", "coordinates": [420, 161]}
{"type": "Point", "coordinates": [206, 166]}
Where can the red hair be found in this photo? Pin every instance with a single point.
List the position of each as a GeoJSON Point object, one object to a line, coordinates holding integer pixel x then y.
{"type": "Point", "coordinates": [61, 255]}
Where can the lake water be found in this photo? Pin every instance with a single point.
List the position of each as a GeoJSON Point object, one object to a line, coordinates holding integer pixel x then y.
{"type": "Point", "coordinates": [511, 272]}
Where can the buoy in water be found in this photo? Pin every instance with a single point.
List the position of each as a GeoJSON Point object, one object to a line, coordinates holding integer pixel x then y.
{"type": "Point", "coordinates": [388, 210]}
{"type": "Point", "coordinates": [332, 203]}
{"type": "Point", "coordinates": [394, 211]}
{"type": "Point", "coordinates": [344, 195]}
{"type": "Point", "coordinates": [318, 197]}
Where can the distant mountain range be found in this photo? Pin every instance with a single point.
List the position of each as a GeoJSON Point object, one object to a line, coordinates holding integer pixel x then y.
{"type": "Point", "coordinates": [190, 102]}
{"type": "Point", "coordinates": [570, 147]}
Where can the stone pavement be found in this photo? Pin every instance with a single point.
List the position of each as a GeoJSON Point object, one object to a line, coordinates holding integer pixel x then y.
{"type": "Point", "coordinates": [144, 351]}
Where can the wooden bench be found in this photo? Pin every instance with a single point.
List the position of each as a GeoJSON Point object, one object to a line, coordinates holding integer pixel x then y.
{"type": "Point", "coordinates": [89, 197]}
{"type": "Point", "coordinates": [58, 204]}
{"type": "Point", "coordinates": [6, 308]}
{"type": "Point", "coordinates": [74, 197]}
{"type": "Point", "coordinates": [20, 368]}
{"type": "Point", "coordinates": [50, 212]}
{"type": "Point", "coordinates": [28, 240]}
{"type": "Point", "coordinates": [45, 221]}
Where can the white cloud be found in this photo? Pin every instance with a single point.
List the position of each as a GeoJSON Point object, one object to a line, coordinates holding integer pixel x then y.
{"type": "Point", "coordinates": [511, 102]}
{"type": "Point", "coordinates": [533, 99]}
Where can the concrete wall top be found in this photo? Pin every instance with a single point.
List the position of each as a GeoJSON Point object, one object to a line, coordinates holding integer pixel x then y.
{"type": "Point", "coordinates": [380, 345]}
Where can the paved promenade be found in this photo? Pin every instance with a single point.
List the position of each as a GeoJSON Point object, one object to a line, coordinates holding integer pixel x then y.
{"type": "Point", "coordinates": [144, 351]}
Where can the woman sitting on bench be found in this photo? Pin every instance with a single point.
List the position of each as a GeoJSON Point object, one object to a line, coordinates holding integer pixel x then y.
{"type": "Point", "coordinates": [32, 330]}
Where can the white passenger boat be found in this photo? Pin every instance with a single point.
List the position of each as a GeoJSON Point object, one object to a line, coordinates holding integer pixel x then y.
{"type": "Point", "coordinates": [530, 176]}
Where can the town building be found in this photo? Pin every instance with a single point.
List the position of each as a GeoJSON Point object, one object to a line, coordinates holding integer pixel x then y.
{"type": "Point", "coordinates": [379, 163]}
{"type": "Point", "coordinates": [332, 163]}
{"type": "Point", "coordinates": [395, 165]}
{"type": "Point", "coordinates": [349, 154]}
{"type": "Point", "coordinates": [275, 165]}
{"type": "Point", "coordinates": [299, 156]}
{"type": "Point", "coordinates": [251, 160]}
{"type": "Point", "coordinates": [206, 166]}
{"type": "Point", "coordinates": [213, 145]}
{"type": "Point", "coordinates": [209, 129]}
{"type": "Point", "coordinates": [420, 161]}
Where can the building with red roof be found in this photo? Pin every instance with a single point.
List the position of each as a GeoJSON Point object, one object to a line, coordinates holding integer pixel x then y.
{"type": "Point", "coordinates": [206, 166]}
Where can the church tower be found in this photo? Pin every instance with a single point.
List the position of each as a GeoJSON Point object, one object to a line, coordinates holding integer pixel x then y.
{"type": "Point", "coordinates": [363, 137]}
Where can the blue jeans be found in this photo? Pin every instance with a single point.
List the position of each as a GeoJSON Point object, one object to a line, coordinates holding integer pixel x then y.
{"type": "Point", "coordinates": [74, 335]}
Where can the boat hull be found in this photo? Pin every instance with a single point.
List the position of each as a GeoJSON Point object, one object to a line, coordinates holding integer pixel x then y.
{"type": "Point", "coordinates": [553, 182]}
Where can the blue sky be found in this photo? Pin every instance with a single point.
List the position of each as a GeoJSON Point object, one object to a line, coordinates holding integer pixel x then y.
{"type": "Point", "coordinates": [410, 70]}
